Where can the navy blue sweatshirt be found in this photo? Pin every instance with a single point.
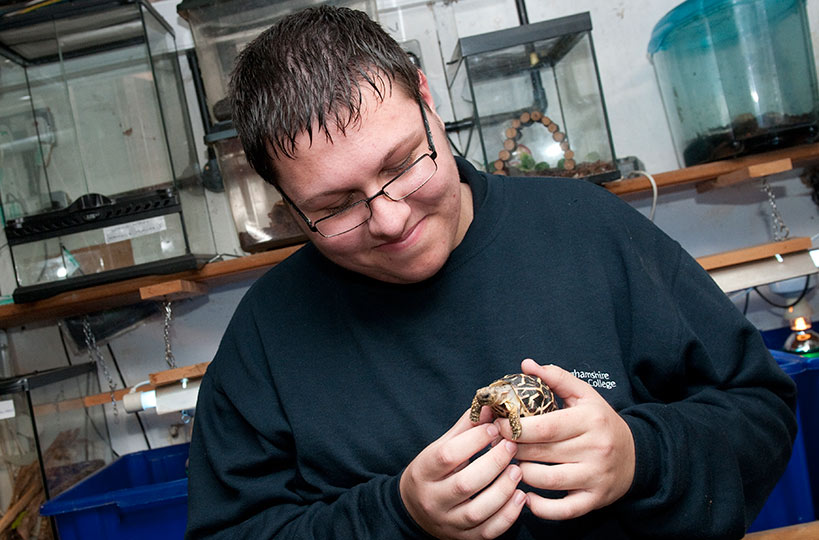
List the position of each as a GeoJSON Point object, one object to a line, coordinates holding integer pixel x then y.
{"type": "Point", "coordinates": [328, 383]}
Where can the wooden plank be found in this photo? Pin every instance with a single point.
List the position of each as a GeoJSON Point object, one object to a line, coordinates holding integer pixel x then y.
{"type": "Point", "coordinates": [177, 374]}
{"type": "Point", "coordinates": [105, 397]}
{"type": "Point", "coordinates": [801, 531]}
{"type": "Point", "coordinates": [173, 290]}
{"type": "Point", "coordinates": [157, 379]}
{"type": "Point", "coordinates": [750, 172]}
{"type": "Point", "coordinates": [755, 273]}
{"type": "Point", "coordinates": [754, 253]}
{"type": "Point", "coordinates": [57, 407]}
{"type": "Point", "coordinates": [121, 293]}
{"type": "Point", "coordinates": [800, 156]}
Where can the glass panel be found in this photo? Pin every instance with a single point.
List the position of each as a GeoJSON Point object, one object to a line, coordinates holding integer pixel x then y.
{"type": "Point", "coordinates": [261, 217]}
{"type": "Point", "coordinates": [74, 440]}
{"type": "Point", "coordinates": [173, 106]}
{"type": "Point", "coordinates": [222, 29]}
{"type": "Point", "coordinates": [99, 250]}
{"type": "Point", "coordinates": [175, 114]}
{"type": "Point", "coordinates": [506, 86]}
{"type": "Point", "coordinates": [581, 101]}
{"type": "Point", "coordinates": [23, 185]}
{"type": "Point", "coordinates": [18, 449]}
{"type": "Point", "coordinates": [109, 132]}
{"type": "Point", "coordinates": [36, 42]}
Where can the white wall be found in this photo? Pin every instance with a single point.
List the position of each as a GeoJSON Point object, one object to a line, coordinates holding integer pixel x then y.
{"type": "Point", "coordinates": [703, 223]}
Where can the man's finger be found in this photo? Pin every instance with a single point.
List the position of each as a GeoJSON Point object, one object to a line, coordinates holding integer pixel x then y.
{"type": "Point", "coordinates": [575, 504]}
{"type": "Point", "coordinates": [449, 453]}
{"type": "Point", "coordinates": [568, 387]}
{"type": "Point", "coordinates": [464, 423]}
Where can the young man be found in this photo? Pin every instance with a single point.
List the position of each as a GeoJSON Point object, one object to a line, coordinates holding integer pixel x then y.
{"type": "Point", "coordinates": [336, 406]}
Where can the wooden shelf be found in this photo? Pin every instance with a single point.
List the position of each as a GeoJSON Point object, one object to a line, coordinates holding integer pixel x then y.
{"type": "Point", "coordinates": [800, 156]}
{"type": "Point", "coordinates": [121, 293]}
{"type": "Point", "coordinates": [754, 253]}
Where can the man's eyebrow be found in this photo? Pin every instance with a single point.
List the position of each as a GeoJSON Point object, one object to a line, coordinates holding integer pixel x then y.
{"type": "Point", "coordinates": [397, 147]}
{"type": "Point", "coordinates": [308, 202]}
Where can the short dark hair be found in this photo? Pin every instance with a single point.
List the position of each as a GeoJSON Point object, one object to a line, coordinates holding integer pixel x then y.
{"type": "Point", "coordinates": [309, 67]}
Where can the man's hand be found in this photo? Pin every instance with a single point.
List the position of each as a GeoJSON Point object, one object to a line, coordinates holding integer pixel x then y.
{"type": "Point", "coordinates": [444, 493]}
{"type": "Point", "coordinates": [589, 446]}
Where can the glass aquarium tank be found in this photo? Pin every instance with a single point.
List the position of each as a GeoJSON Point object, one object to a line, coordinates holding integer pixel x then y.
{"type": "Point", "coordinates": [221, 29]}
{"type": "Point", "coordinates": [737, 77]}
{"type": "Point", "coordinates": [97, 158]}
{"type": "Point", "coordinates": [533, 95]}
{"type": "Point", "coordinates": [262, 219]}
{"type": "Point", "coordinates": [49, 441]}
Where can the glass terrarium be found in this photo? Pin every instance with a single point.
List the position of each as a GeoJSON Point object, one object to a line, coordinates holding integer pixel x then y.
{"type": "Point", "coordinates": [46, 432]}
{"type": "Point", "coordinates": [261, 217]}
{"type": "Point", "coordinates": [534, 96]}
{"type": "Point", "coordinates": [737, 77]}
{"type": "Point", "coordinates": [97, 160]}
{"type": "Point", "coordinates": [221, 29]}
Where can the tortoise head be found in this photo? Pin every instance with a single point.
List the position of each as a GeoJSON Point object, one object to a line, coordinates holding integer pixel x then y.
{"type": "Point", "coordinates": [490, 395]}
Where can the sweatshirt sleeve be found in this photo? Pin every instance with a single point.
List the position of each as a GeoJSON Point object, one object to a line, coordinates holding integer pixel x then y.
{"type": "Point", "coordinates": [243, 477]}
{"type": "Point", "coordinates": [714, 422]}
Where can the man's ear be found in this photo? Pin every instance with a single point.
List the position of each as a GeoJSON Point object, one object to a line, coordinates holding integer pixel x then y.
{"type": "Point", "coordinates": [426, 93]}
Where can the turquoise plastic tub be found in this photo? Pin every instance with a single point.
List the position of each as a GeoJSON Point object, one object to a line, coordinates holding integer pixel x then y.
{"type": "Point", "coordinates": [736, 77]}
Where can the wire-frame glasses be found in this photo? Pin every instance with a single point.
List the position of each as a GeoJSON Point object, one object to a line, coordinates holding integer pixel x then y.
{"type": "Point", "coordinates": [404, 184]}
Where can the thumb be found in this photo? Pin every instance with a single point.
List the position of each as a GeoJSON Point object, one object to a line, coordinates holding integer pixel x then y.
{"type": "Point", "coordinates": [567, 387]}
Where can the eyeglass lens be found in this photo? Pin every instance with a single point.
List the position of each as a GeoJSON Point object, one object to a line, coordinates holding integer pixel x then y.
{"type": "Point", "coordinates": [400, 187]}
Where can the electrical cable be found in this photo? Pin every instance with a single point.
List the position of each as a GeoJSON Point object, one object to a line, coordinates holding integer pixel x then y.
{"type": "Point", "coordinates": [747, 293]}
{"type": "Point", "coordinates": [801, 296]}
{"type": "Point", "coordinates": [137, 385]}
{"type": "Point", "coordinates": [653, 191]}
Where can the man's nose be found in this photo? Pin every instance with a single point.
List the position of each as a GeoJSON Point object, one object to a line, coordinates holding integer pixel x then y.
{"type": "Point", "coordinates": [389, 218]}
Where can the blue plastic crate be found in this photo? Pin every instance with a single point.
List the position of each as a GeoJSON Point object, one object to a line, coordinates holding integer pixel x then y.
{"type": "Point", "coordinates": [791, 501]}
{"type": "Point", "coordinates": [808, 387]}
{"type": "Point", "coordinates": [807, 384]}
{"type": "Point", "coordinates": [140, 496]}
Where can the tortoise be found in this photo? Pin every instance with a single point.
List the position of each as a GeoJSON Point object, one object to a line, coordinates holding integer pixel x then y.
{"type": "Point", "coordinates": [513, 396]}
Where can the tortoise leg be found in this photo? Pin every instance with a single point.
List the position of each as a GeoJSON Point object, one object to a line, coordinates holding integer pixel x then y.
{"type": "Point", "coordinates": [475, 413]}
{"type": "Point", "coordinates": [514, 422]}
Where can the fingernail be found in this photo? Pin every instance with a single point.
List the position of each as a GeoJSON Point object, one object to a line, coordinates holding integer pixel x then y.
{"type": "Point", "coordinates": [514, 473]}
{"type": "Point", "coordinates": [511, 446]}
{"type": "Point", "coordinates": [493, 430]}
{"type": "Point", "coordinates": [519, 497]}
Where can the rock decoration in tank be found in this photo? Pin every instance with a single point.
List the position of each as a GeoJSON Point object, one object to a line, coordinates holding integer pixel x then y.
{"type": "Point", "coordinates": [517, 159]}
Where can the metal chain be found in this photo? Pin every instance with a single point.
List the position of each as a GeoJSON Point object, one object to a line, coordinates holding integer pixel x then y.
{"type": "Point", "coordinates": [185, 416]}
{"type": "Point", "coordinates": [778, 227]}
{"type": "Point", "coordinates": [169, 358]}
{"type": "Point", "coordinates": [96, 356]}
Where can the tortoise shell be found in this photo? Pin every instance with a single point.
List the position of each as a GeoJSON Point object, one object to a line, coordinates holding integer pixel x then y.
{"type": "Point", "coordinates": [512, 397]}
